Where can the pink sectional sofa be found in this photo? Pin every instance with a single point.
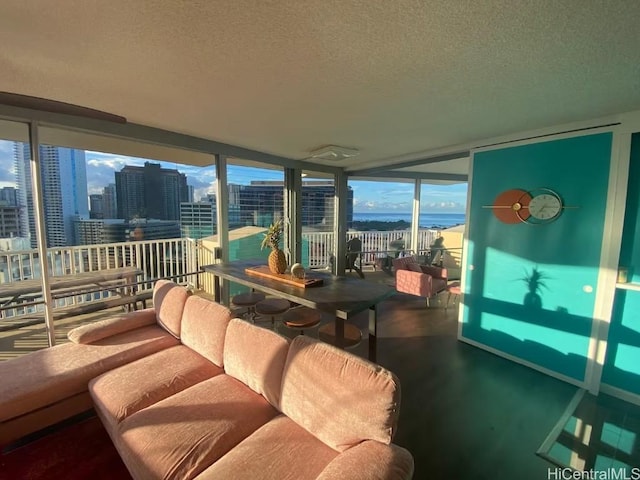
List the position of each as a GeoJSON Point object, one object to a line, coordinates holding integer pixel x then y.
{"type": "Point", "coordinates": [50, 385]}
{"type": "Point", "coordinates": [221, 398]}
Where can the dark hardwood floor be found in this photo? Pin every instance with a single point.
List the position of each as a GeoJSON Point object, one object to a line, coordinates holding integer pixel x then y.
{"type": "Point", "coordinates": [465, 413]}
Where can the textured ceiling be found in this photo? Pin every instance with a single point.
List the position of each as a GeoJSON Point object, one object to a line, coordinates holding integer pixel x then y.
{"type": "Point", "coordinates": [389, 78]}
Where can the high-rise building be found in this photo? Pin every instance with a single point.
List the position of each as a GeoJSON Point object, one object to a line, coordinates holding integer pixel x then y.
{"type": "Point", "coordinates": [89, 231]}
{"type": "Point", "coordinates": [64, 191]}
{"type": "Point", "coordinates": [95, 231]}
{"type": "Point", "coordinates": [197, 219]}
{"type": "Point", "coordinates": [96, 206]}
{"type": "Point", "coordinates": [234, 193]}
{"type": "Point", "coordinates": [8, 196]}
{"type": "Point", "coordinates": [109, 204]}
{"type": "Point", "coordinates": [150, 192]}
{"type": "Point", "coordinates": [262, 202]}
{"type": "Point", "coordinates": [191, 190]}
{"type": "Point", "coordinates": [9, 221]}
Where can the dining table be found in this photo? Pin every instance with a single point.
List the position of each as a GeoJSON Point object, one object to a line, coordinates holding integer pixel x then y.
{"type": "Point", "coordinates": [342, 296]}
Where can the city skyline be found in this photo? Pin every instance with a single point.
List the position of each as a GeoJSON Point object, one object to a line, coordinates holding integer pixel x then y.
{"type": "Point", "coordinates": [369, 197]}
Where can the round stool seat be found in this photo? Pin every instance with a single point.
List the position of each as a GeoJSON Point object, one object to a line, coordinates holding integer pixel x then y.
{"type": "Point", "coordinates": [272, 306]}
{"type": "Point", "coordinates": [301, 317]}
{"type": "Point", "coordinates": [247, 299]}
{"type": "Point", "coordinates": [352, 334]}
{"type": "Point", "coordinates": [454, 288]}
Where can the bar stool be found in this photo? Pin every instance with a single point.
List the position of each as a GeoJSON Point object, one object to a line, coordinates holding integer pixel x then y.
{"type": "Point", "coordinates": [300, 318]}
{"type": "Point", "coordinates": [248, 300]}
{"type": "Point", "coordinates": [453, 289]}
{"type": "Point", "coordinates": [272, 307]}
{"type": "Point", "coordinates": [352, 334]}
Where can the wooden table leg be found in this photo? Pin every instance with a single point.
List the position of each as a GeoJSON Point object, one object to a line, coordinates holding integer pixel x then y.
{"type": "Point", "coordinates": [339, 332]}
{"type": "Point", "coordinates": [373, 332]}
{"type": "Point", "coordinates": [216, 288]}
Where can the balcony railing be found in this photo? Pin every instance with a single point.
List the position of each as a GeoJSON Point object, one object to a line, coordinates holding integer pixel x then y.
{"type": "Point", "coordinates": [374, 244]}
{"type": "Point", "coordinates": [177, 258]}
{"type": "Point", "coordinates": [171, 258]}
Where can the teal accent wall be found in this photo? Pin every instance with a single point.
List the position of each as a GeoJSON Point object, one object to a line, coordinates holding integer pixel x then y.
{"type": "Point", "coordinates": [622, 363]}
{"type": "Point", "coordinates": [630, 249]}
{"type": "Point", "coordinates": [549, 326]}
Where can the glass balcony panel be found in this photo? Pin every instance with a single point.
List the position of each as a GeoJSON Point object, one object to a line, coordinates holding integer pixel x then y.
{"type": "Point", "coordinates": [442, 219]}
{"type": "Point", "coordinates": [318, 219]}
{"type": "Point", "coordinates": [115, 224]}
{"type": "Point", "coordinates": [22, 325]}
{"type": "Point", "coordinates": [256, 200]}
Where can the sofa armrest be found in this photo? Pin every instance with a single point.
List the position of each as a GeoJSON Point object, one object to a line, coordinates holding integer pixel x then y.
{"type": "Point", "coordinates": [371, 460]}
{"type": "Point", "coordinates": [436, 272]}
{"type": "Point", "coordinates": [112, 326]}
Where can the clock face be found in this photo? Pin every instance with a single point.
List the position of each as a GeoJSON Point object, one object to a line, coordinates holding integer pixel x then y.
{"type": "Point", "coordinates": [545, 206]}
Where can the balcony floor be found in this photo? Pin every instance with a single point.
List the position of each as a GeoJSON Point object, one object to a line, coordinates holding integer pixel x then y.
{"type": "Point", "coordinates": [465, 413]}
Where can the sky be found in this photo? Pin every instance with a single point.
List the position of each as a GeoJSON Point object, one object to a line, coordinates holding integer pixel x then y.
{"type": "Point", "coordinates": [369, 197]}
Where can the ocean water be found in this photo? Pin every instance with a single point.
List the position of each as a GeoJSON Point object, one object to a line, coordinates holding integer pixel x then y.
{"type": "Point", "coordinates": [427, 220]}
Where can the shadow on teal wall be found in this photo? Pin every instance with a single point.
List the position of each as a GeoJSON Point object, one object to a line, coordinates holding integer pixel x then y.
{"type": "Point", "coordinates": [549, 324]}
{"type": "Point", "coordinates": [622, 364]}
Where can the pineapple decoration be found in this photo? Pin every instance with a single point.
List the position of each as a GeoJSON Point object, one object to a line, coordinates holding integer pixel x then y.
{"type": "Point", "coordinates": [277, 260]}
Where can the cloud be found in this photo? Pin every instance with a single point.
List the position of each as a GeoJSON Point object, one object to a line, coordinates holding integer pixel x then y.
{"type": "Point", "coordinates": [101, 168]}
{"type": "Point", "coordinates": [7, 166]}
{"type": "Point", "coordinates": [389, 197]}
{"type": "Point", "coordinates": [444, 205]}
{"type": "Point", "coordinates": [6, 148]}
{"type": "Point", "coordinates": [375, 206]}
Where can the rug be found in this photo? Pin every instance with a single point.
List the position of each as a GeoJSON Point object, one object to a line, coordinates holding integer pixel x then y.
{"type": "Point", "coordinates": [596, 433]}
{"type": "Point", "coordinates": [75, 452]}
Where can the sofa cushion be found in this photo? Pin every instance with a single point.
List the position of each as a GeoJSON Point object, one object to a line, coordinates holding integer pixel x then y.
{"type": "Point", "coordinates": [414, 267]}
{"type": "Point", "coordinates": [204, 327]}
{"type": "Point", "coordinates": [180, 436]}
{"type": "Point", "coordinates": [256, 357]}
{"type": "Point", "coordinates": [92, 332]}
{"type": "Point", "coordinates": [121, 392]}
{"type": "Point", "coordinates": [279, 450]}
{"type": "Point", "coordinates": [65, 370]}
{"type": "Point", "coordinates": [340, 398]}
{"type": "Point", "coordinates": [168, 302]}
{"type": "Point", "coordinates": [403, 263]}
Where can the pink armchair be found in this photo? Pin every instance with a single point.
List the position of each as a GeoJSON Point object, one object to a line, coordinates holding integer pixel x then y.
{"type": "Point", "coordinates": [421, 280]}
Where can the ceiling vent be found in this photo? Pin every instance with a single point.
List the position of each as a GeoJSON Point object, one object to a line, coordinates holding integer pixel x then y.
{"type": "Point", "coordinates": [334, 153]}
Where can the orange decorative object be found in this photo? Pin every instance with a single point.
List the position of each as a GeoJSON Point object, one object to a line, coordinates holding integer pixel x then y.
{"type": "Point", "coordinates": [512, 206]}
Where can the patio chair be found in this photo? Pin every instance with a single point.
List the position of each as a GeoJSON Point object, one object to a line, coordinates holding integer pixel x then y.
{"type": "Point", "coordinates": [354, 256]}
{"type": "Point", "coordinates": [420, 280]}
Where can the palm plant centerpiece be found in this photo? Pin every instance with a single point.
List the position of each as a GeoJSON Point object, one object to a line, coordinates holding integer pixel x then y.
{"type": "Point", "coordinates": [277, 260]}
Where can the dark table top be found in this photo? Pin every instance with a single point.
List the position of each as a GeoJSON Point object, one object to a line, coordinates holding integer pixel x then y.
{"type": "Point", "coordinates": [343, 296]}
